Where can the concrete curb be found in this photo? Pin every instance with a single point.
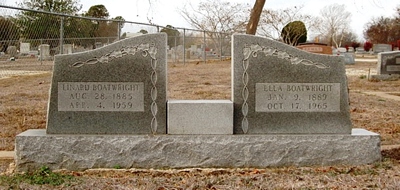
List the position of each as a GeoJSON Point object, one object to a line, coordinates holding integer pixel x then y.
{"type": "Point", "coordinates": [7, 155]}
{"type": "Point", "coordinates": [385, 95]}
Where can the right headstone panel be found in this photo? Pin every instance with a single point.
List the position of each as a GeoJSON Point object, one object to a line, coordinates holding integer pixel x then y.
{"type": "Point", "coordinates": [279, 89]}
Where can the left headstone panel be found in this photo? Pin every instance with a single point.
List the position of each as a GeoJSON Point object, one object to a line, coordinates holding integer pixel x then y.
{"type": "Point", "coordinates": [116, 89]}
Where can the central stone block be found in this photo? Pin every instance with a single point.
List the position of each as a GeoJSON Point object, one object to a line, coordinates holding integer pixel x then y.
{"type": "Point", "coordinates": [200, 117]}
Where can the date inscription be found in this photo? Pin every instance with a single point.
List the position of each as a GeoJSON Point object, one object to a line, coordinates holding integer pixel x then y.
{"type": "Point", "coordinates": [101, 96]}
{"type": "Point", "coordinates": [297, 97]}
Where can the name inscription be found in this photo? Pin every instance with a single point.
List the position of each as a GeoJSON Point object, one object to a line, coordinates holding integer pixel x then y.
{"type": "Point", "coordinates": [101, 96]}
{"type": "Point", "coordinates": [297, 97]}
{"type": "Point", "coordinates": [392, 68]}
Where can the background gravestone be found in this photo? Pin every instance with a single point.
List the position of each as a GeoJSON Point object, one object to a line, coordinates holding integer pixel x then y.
{"type": "Point", "coordinates": [360, 50]}
{"type": "Point", "coordinates": [24, 48]}
{"type": "Point", "coordinates": [67, 49]}
{"type": "Point", "coordinates": [12, 51]}
{"type": "Point", "coordinates": [389, 63]}
{"type": "Point", "coordinates": [116, 89]}
{"type": "Point", "coordinates": [316, 48]}
{"type": "Point", "coordinates": [280, 89]}
{"type": "Point", "coordinates": [378, 48]}
{"type": "Point", "coordinates": [44, 52]}
{"type": "Point", "coordinates": [349, 58]}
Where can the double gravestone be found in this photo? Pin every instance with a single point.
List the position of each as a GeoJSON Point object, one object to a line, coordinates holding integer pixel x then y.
{"type": "Point", "coordinates": [108, 108]}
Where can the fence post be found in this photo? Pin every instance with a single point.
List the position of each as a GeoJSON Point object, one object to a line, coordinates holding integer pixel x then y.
{"type": "Point", "coordinates": [119, 30]}
{"type": "Point", "coordinates": [204, 47]}
{"type": "Point", "coordinates": [62, 35]}
{"type": "Point", "coordinates": [220, 46]}
{"type": "Point", "coordinates": [184, 48]}
{"type": "Point", "coordinates": [40, 52]}
{"type": "Point", "coordinates": [175, 50]}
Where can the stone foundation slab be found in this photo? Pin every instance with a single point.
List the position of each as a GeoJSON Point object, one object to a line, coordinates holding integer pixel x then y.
{"type": "Point", "coordinates": [34, 149]}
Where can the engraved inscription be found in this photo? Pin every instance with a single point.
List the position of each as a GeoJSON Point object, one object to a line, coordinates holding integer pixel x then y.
{"type": "Point", "coordinates": [297, 97]}
{"type": "Point", "coordinates": [101, 96]}
{"type": "Point", "coordinates": [392, 67]}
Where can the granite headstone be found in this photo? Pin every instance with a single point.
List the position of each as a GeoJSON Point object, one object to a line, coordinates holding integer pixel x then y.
{"type": "Point", "coordinates": [388, 63]}
{"type": "Point", "coordinates": [12, 51]}
{"type": "Point", "coordinates": [360, 50]}
{"type": "Point", "coordinates": [349, 58]}
{"type": "Point", "coordinates": [24, 48]}
{"type": "Point", "coordinates": [378, 48]}
{"type": "Point", "coordinates": [116, 89]}
{"type": "Point", "coordinates": [67, 48]}
{"type": "Point", "coordinates": [44, 52]}
{"type": "Point", "coordinates": [279, 89]}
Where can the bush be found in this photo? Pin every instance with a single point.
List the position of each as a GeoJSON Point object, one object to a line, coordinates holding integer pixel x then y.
{"type": "Point", "coordinates": [367, 46]}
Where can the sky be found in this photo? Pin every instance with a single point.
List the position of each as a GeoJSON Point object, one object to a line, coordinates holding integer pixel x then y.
{"type": "Point", "coordinates": [166, 12]}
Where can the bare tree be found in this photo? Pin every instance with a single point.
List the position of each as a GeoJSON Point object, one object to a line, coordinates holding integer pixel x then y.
{"type": "Point", "coordinates": [349, 38]}
{"type": "Point", "coordinates": [273, 21]}
{"type": "Point", "coordinates": [335, 22]}
{"type": "Point", "coordinates": [255, 15]}
{"type": "Point", "coordinates": [382, 30]}
{"type": "Point", "coordinates": [217, 18]}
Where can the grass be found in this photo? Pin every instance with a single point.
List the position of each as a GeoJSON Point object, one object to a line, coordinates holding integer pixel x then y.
{"type": "Point", "coordinates": [43, 176]}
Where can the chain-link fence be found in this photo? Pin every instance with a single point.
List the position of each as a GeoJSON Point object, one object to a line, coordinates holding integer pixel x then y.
{"type": "Point", "coordinates": [40, 35]}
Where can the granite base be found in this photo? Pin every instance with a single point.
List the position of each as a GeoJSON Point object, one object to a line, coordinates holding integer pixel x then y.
{"type": "Point", "coordinates": [34, 149]}
{"type": "Point", "coordinates": [386, 77]}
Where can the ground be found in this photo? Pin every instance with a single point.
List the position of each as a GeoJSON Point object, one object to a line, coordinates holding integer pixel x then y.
{"type": "Point", "coordinates": [23, 104]}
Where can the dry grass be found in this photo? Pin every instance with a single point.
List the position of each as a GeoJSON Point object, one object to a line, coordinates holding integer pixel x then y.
{"type": "Point", "coordinates": [23, 102]}
{"type": "Point", "coordinates": [199, 81]}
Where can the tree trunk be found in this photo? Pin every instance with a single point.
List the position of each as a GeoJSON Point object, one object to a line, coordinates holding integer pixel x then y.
{"type": "Point", "coordinates": [255, 17]}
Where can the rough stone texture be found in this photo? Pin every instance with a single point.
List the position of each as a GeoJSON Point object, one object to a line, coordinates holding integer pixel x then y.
{"type": "Point", "coordinates": [35, 148]}
{"type": "Point", "coordinates": [259, 60]}
{"type": "Point", "coordinates": [141, 60]}
{"type": "Point", "coordinates": [200, 117]}
{"type": "Point", "coordinates": [388, 63]}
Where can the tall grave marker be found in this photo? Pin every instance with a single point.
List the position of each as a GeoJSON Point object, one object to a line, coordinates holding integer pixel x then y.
{"type": "Point", "coordinates": [278, 89]}
{"type": "Point", "coordinates": [117, 89]}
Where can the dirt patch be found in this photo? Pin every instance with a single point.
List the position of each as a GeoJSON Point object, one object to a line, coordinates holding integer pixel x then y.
{"type": "Point", "coordinates": [392, 153]}
{"type": "Point", "coordinates": [5, 165]}
{"type": "Point", "coordinates": [394, 94]}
